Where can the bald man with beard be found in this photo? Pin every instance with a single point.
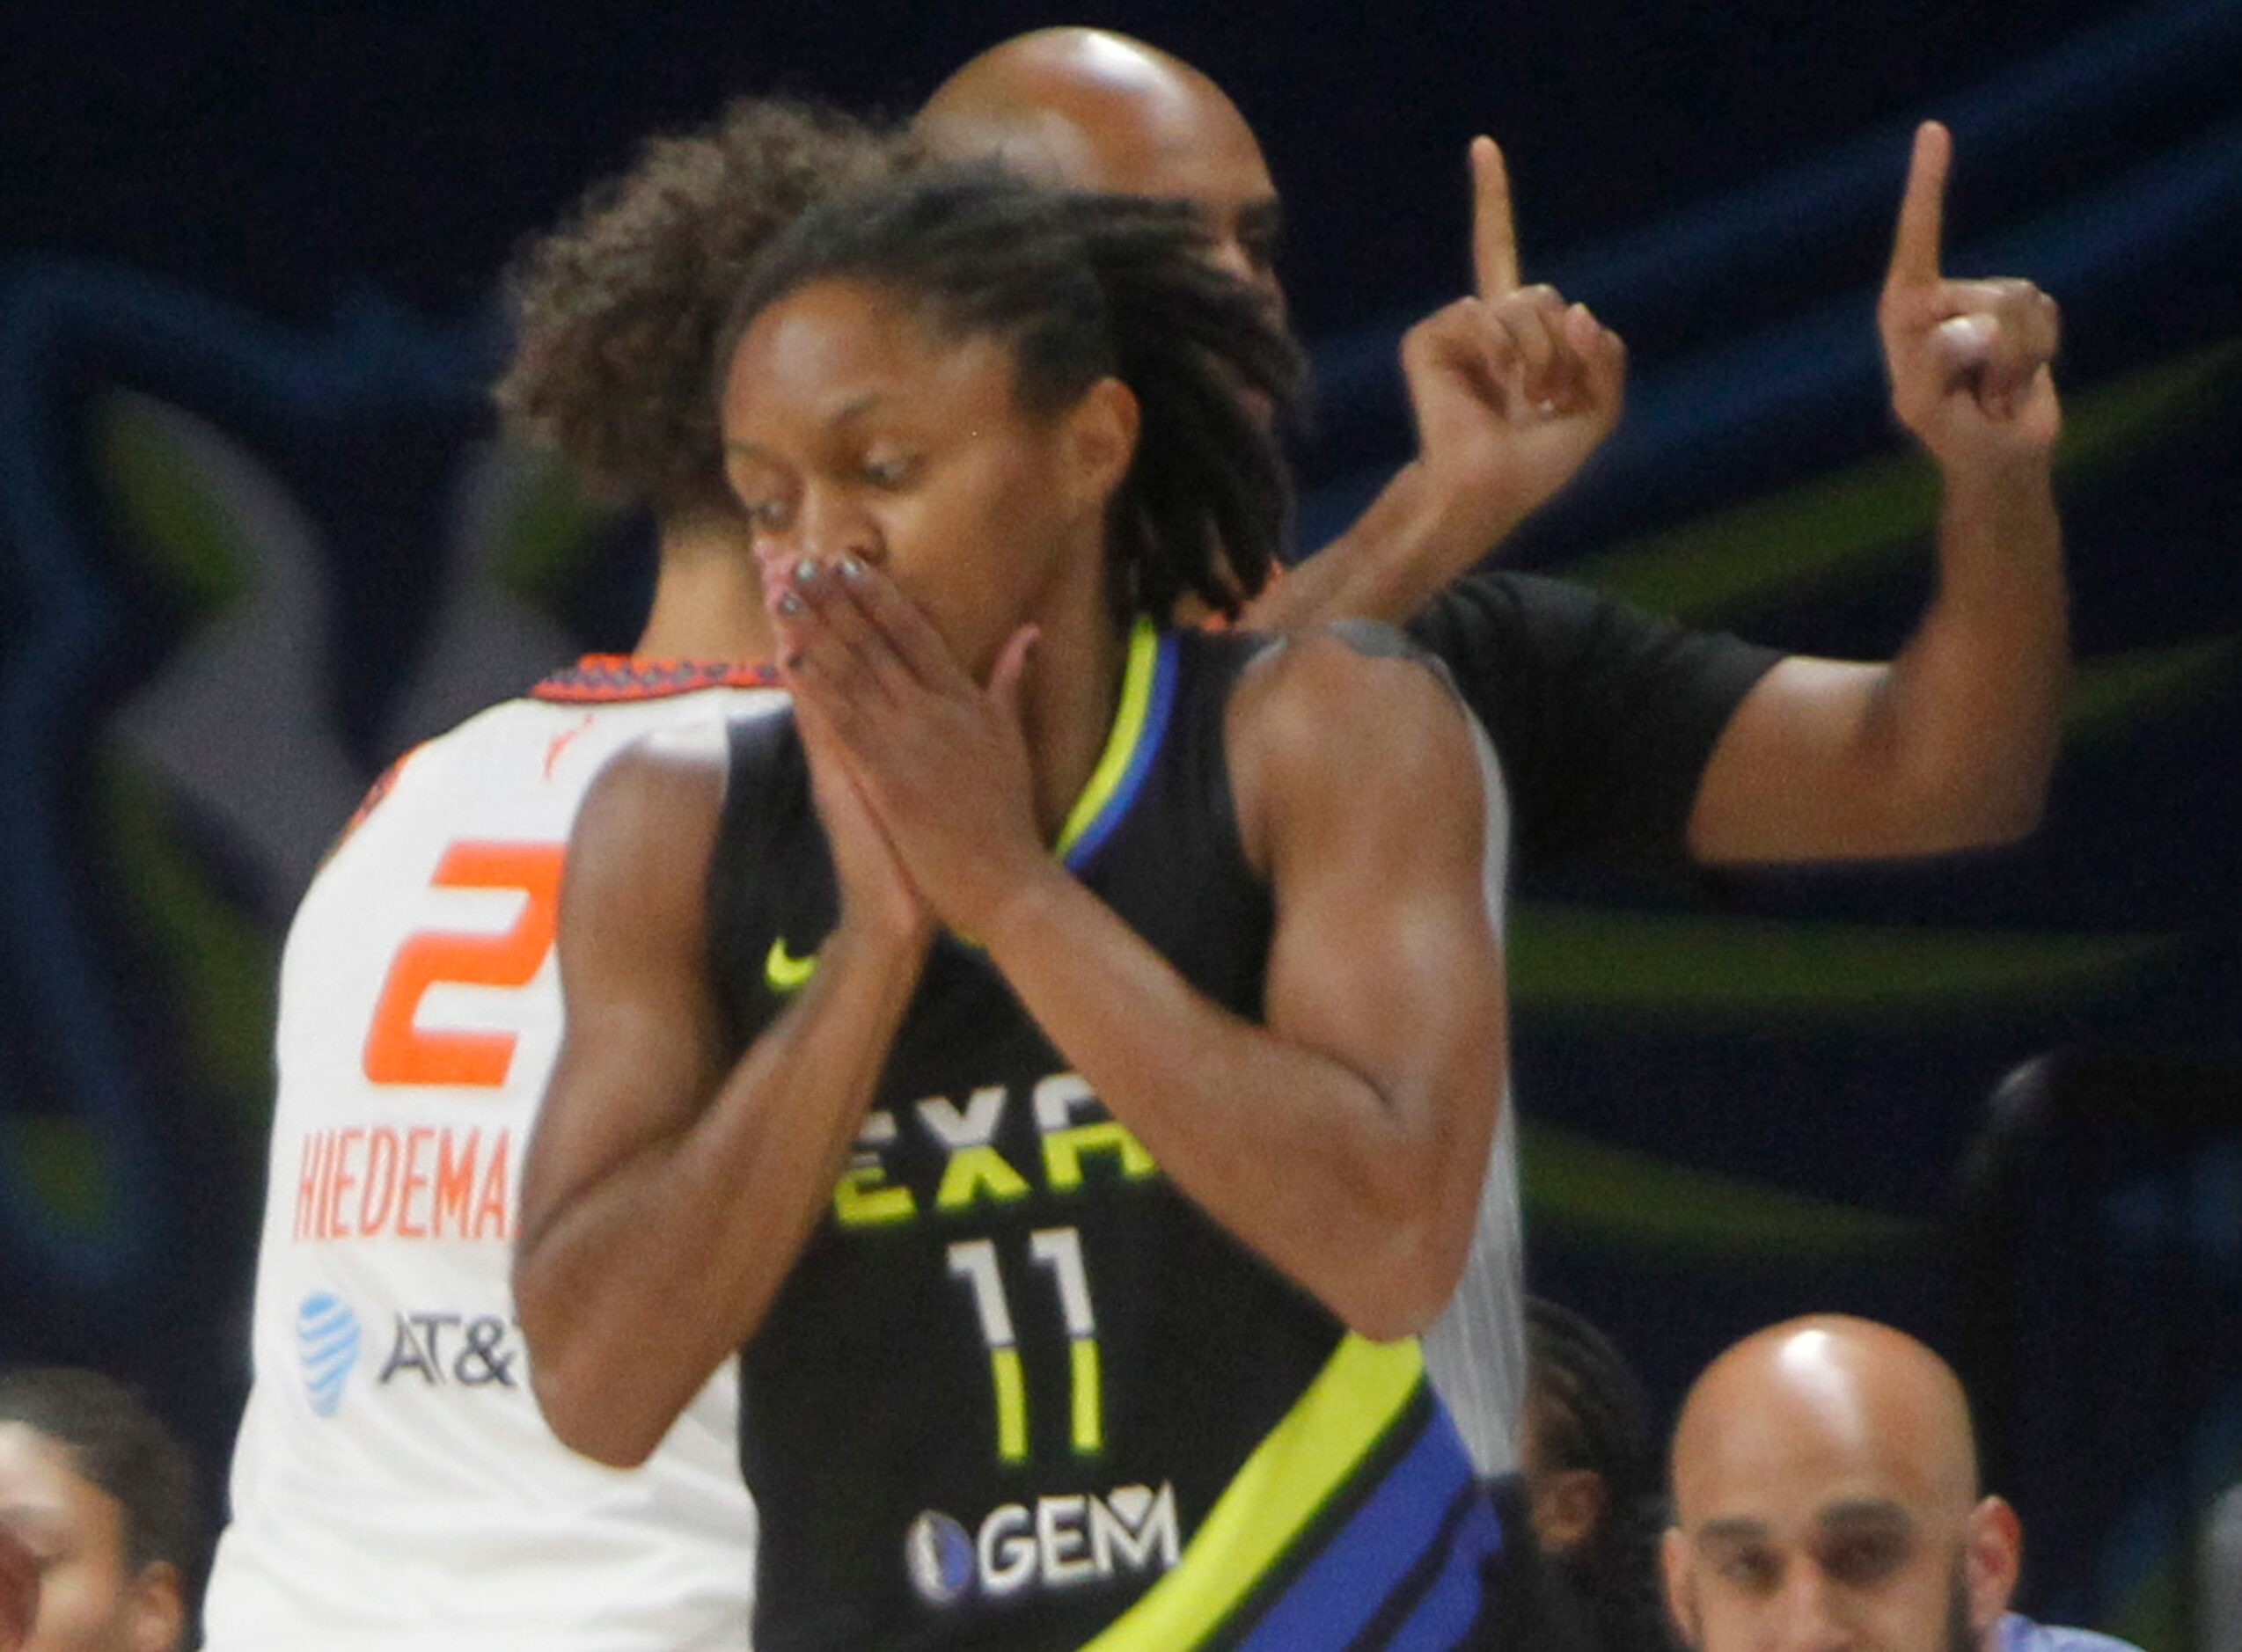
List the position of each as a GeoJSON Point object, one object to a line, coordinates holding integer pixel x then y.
{"type": "Point", "coordinates": [1625, 741]}
{"type": "Point", "coordinates": [1826, 1499]}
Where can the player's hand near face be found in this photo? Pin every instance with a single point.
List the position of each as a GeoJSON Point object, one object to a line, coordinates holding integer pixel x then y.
{"type": "Point", "coordinates": [1969, 359]}
{"type": "Point", "coordinates": [939, 761]}
{"type": "Point", "coordinates": [1397, 1085]}
{"type": "Point", "coordinates": [673, 1179]}
{"type": "Point", "coordinates": [876, 890]}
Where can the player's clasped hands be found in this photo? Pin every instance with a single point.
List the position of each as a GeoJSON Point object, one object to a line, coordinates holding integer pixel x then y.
{"type": "Point", "coordinates": [1969, 360]}
{"type": "Point", "coordinates": [938, 762]}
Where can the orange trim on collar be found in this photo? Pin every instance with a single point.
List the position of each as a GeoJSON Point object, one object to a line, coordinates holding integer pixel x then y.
{"type": "Point", "coordinates": [601, 679]}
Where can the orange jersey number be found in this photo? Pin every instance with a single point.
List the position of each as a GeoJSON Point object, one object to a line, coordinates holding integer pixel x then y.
{"type": "Point", "coordinates": [398, 1051]}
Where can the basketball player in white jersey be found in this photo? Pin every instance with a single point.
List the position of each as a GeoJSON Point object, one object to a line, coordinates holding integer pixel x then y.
{"type": "Point", "coordinates": [394, 1484]}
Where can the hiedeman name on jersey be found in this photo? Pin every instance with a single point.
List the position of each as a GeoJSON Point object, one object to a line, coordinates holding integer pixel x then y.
{"type": "Point", "coordinates": [421, 1183]}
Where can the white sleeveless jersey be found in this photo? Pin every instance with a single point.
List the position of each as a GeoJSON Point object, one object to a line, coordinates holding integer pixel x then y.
{"type": "Point", "coordinates": [394, 1484]}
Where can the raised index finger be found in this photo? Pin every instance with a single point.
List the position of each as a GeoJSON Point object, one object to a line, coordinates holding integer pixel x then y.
{"type": "Point", "coordinates": [1494, 235]}
{"type": "Point", "coordinates": [1915, 248]}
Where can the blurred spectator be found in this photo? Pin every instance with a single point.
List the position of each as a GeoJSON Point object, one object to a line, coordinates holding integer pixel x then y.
{"type": "Point", "coordinates": [1826, 1496]}
{"type": "Point", "coordinates": [103, 1498]}
{"type": "Point", "coordinates": [18, 1591]}
{"type": "Point", "coordinates": [1592, 1474]}
{"type": "Point", "coordinates": [2221, 1615]}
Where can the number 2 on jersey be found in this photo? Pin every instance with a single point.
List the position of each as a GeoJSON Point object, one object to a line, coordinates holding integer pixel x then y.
{"type": "Point", "coordinates": [398, 1050]}
{"type": "Point", "coordinates": [1060, 1250]}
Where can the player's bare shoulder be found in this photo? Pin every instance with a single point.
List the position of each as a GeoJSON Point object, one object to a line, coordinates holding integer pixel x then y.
{"type": "Point", "coordinates": [1352, 709]}
{"type": "Point", "coordinates": [649, 822]}
{"type": "Point", "coordinates": [679, 767]}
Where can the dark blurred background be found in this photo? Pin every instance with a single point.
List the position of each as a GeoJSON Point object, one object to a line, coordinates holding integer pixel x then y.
{"type": "Point", "coordinates": [255, 539]}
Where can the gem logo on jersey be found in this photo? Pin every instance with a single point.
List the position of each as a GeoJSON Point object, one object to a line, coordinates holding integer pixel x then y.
{"type": "Point", "coordinates": [327, 1342]}
{"type": "Point", "coordinates": [940, 1556]}
{"type": "Point", "coordinates": [1061, 1543]}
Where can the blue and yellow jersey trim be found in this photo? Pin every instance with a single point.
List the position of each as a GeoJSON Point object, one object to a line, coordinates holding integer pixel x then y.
{"type": "Point", "coordinates": [1140, 724]}
{"type": "Point", "coordinates": [1356, 1521]}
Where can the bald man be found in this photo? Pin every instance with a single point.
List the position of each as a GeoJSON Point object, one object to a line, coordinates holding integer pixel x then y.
{"type": "Point", "coordinates": [1099, 111]}
{"type": "Point", "coordinates": [1826, 1500]}
{"type": "Point", "coordinates": [1511, 387]}
{"type": "Point", "coordinates": [1626, 743]}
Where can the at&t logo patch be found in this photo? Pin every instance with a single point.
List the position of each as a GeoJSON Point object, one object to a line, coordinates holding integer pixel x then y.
{"type": "Point", "coordinates": [327, 1345]}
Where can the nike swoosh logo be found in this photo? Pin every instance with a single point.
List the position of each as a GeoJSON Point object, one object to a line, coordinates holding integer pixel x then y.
{"type": "Point", "coordinates": [784, 971]}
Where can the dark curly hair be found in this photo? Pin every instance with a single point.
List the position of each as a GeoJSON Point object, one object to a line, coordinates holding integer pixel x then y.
{"type": "Point", "coordinates": [616, 313]}
{"type": "Point", "coordinates": [116, 1443]}
{"type": "Point", "coordinates": [1593, 1414]}
{"type": "Point", "coordinates": [1083, 286]}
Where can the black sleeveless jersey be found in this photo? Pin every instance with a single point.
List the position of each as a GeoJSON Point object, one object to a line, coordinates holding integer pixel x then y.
{"type": "Point", "coordinates": [1018, 1391]}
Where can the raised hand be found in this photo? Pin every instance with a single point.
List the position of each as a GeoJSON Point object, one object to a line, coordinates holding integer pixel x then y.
{"type": "Point", "coordinates": [1511, 387]}
{"type": "Point", "coordinates": [938, 765]}
{"type": "Point", "coordinates": [1969, 360]}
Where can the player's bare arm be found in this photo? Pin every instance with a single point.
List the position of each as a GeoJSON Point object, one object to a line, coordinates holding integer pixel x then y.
{"type": "Point", "coordinates": [668, 1191]}
{"type": "Point", "coordinates": [1950, 744]}
{"type": "Point", "coordinates": [1345, 1139]}
{"type": "Point", "coordinates": [1511, 389]}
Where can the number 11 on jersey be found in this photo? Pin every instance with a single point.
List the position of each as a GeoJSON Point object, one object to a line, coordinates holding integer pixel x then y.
{"type": "Point", "coordinates": [1059, 1249]}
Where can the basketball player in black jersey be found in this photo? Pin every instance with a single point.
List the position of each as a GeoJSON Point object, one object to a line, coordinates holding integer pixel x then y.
{"type": "Point", "coordinates": [1076, 1262]}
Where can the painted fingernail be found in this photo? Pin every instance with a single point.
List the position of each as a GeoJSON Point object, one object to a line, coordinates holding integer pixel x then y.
{"type": "Point", "coordinates": [805, 571]}
{"type": "Point", "coordinates": [789, 604]}
{"type": "Point", "coordinates": [851, 568]}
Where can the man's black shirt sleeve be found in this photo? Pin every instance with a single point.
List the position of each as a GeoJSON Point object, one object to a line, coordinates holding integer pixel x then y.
{"type": "Point", "coordinates": [1604, 716]}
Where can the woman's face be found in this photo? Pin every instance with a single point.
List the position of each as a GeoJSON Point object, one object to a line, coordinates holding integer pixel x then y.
{"type": "Point", "coordinates": [852, 428]}
{"type": "Point", "coordinates": [90, 1599]}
